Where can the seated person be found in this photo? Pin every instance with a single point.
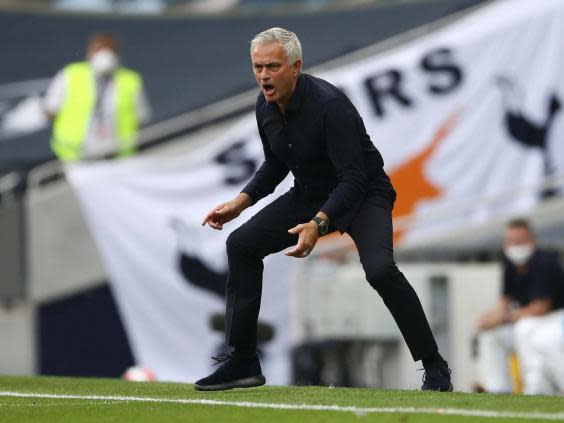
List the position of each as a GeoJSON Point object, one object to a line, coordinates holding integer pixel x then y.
{"type": "Point", "coordinates": [525, 319]}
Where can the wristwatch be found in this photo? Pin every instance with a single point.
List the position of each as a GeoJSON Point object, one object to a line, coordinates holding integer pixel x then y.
{"type": "Point", "coordinates": [322, 226]}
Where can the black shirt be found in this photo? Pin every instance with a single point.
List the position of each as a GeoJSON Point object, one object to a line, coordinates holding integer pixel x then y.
{"type": "Point", "coordinates": [322, 140]}
{"type": "Point", "coordinates": [544, 279]}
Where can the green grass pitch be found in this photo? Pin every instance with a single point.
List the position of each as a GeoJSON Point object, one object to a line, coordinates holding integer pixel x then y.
{"type": "Point", "coordinates": [52, 399]}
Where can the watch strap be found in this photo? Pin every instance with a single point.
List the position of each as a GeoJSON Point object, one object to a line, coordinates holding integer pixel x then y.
{"type": "Point", "coordinates": [317, 220]}
{"type": "Point", "coordinates": [322, 225]}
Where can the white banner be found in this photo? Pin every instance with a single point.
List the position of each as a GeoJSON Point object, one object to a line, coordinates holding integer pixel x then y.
{"type": "Point", "coordinates": [461, 116]}
{"type": "Point", "coordinates": [168, 272]}
{"type": "Point", "coordinates": [466, 114]}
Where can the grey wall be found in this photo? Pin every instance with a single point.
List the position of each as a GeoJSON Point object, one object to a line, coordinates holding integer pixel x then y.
{"type": "Point", "coordinates": [187, 62]}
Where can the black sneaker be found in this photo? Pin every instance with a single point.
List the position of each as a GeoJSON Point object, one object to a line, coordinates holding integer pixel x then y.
{"type": "Point", "coordinates": [234, 372]}
{"type": "Point", "coordinates": [437, 377]}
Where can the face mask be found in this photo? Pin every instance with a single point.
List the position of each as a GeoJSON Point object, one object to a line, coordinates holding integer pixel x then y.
{"type": "Point", "coordinates": [519, 254]}
{"type": "Point", "coordinates": [104, 62]}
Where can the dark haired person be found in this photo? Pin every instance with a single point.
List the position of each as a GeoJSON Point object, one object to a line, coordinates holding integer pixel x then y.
{"type": "Point", "coordinates": [96, 105]}
{"type": "Point", "coordinates": [528, 315]}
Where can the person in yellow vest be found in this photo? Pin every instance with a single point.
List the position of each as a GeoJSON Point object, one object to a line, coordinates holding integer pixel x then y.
{"type": "Point", "coordinates": [96, 106]}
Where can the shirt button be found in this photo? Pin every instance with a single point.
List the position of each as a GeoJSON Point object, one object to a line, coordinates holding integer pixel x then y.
{"type": "Point", "coordinates": [290, 145]}
{"type": "Point", "coordinates": [297, 166]}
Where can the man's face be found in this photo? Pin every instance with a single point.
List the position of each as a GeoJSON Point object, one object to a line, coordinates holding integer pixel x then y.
{"type": "Point", "coordinates": [517, 236]}
{"type": "Point", "coordinates": [274, 74]}
{"type": "Point", "coordinates": [96, 46]}
{"type": "Point", "coordinates": [518, 245]}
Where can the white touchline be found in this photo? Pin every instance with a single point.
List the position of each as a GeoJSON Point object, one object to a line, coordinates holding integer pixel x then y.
{"type": "Point", "coordinates": [306, 407]}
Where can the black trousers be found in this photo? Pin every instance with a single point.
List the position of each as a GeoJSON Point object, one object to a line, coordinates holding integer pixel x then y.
{"type": "Point", "coordinates": [266, 233]}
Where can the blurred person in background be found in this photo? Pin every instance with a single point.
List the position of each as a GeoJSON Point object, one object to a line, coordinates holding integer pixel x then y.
{"type": "Point", "coordinates": [96, 105]}
{"type": "Point", "coordinates": [309, 127]}
{"type": "Point", "coordinates": [527, 319]}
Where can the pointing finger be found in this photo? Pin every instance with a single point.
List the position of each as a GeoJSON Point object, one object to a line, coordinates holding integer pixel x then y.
{"type": "Point", "coordinates": [295, 230]}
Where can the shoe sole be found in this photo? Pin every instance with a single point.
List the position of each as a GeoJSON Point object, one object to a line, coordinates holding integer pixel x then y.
{"type": "Point", "coordinates": [249, 382]}
{"type": "Point", "coordinates": [449, 389]}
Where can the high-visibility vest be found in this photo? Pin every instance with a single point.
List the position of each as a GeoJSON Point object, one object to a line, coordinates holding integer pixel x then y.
{"type": "Point", "coordinates": [71, 123]}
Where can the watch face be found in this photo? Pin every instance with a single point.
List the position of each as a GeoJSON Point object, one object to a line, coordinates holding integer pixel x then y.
{"type": "Point", "coordinates": [323, 228]}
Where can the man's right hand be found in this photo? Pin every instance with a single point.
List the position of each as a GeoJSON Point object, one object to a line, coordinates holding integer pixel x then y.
{"type": "Point", "coordinates": [493, 318]}
{"type": "Point", "coordinates": [488, 321]}
{"type": "Point", "coordinates": [225, 212]}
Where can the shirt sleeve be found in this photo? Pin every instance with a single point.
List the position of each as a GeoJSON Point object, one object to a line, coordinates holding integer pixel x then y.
{"type": "Point", "coordinates": [143, 107]}
{"type": "Point", "coordinates": [55, 95]}
{"type": "Point", "coordinates": [547, 279]}
{"type": "Point", "coordinates": [345, 152]}
{"type": "Point", "coordinates": [269, 175]}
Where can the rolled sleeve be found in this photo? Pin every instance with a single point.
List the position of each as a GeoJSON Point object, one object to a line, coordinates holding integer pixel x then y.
{"type": "Point", "coordinates": [144, 111]}
{"type": "Point", "coordinates": [55, 94]}
{"type": "Point", "coordinates": [345, 152]}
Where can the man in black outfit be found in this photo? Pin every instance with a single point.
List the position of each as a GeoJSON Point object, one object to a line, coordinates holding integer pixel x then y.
{"type": "Point", "coordinates": [309, 127]}
{"type": "Point", "coordinates": [527, 319]}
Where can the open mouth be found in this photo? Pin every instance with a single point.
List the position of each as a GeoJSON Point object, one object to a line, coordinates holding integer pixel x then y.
{"type": "Point", "coordinates": [268, 89]}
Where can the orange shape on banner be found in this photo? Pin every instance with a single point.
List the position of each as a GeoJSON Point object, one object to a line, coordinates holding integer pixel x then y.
{"type": "Point", "coordinates": [409, 178]}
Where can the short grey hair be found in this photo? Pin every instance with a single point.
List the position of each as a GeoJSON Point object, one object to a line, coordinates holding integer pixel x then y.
{"type": "Point", "coordinates": [288, 39]}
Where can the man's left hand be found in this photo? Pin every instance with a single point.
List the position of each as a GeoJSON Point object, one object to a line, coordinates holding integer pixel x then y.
{"type": "Point", "coordinates": [308, 235]}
